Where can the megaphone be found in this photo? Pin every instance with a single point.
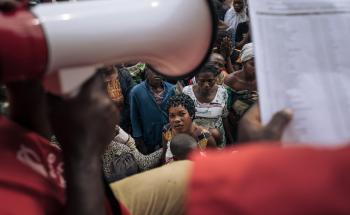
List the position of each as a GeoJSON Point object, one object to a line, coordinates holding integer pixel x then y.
{"type": "Point", "coordinates": [65, 42]}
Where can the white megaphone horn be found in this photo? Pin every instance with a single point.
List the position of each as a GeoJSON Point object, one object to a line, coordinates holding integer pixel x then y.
{"type": "Point", "coordinates": [66, 42]}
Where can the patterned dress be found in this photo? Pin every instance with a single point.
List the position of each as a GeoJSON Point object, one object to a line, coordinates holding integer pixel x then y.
{"type": "Point", "coordinates": [201, 138]}
{"type": "Point", "coordinates": [210, 115]}
{"type": "Point", "coordinates": [116, 149]}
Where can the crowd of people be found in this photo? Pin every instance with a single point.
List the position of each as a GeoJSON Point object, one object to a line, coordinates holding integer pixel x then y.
{"type": "Point", "coordinates": [163, 146]}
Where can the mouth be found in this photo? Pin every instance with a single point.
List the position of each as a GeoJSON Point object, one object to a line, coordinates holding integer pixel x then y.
{"type": "Point", "coordinates": [178, 127]}
{"type": "Point", "coordinates": [237, 9]}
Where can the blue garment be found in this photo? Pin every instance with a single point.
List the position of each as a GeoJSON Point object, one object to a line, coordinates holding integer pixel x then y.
{"type": "Point", "coordinates": [147, 117]}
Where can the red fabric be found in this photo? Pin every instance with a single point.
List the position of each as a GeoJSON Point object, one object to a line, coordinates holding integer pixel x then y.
{"type": "Point", "coordinates": [31, 176]}
{"type": "Point", "coordinates": [270, 180]}
{"type": "Point", "coordinates": [124, 210]}
{"type": "Point", "coordinates": [31, 180]}
{"type": "Point", "coordinates": [109, 210]}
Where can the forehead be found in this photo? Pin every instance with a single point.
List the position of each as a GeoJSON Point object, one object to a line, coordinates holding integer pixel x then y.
{"type": "Point", "coordinates": [179, 108]}
{"type": "Point", "coordinates": [149, 72]}
{"type": "Point", "coordinates": [206, 75]}
{"type": "Point", "coordinates": [238, 2]}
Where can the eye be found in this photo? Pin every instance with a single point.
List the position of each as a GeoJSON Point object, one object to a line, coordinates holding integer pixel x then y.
{"type": "Point", "coordinates": [211, 81]}
{"type": "Point", "coordinates": [182, 114]}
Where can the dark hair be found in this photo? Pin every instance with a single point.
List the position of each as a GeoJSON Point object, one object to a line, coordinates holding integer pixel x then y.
{"type": "Point", "coordinates": [185, 101]}
{"type": "Point", "coordinates": [209, 67]}
{"type": "Point", "coordinates": [182, 145]}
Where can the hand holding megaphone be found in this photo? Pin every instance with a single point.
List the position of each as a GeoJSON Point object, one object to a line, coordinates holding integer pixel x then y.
{"type": "Point", "coordinates": [66, 42]}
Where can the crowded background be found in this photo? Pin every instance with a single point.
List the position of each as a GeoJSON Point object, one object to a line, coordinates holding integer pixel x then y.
{"type": "Point", "coordinates": [155, 123]}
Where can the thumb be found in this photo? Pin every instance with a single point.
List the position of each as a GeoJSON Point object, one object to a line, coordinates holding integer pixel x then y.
{"type": "Point", "coordinates": [278, 123]}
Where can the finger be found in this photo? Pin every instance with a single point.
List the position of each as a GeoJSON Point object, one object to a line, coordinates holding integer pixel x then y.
{"type": "Point", "coordinates": [249, 127]}
{"type": "Point", "coordinates": [278, 123]}
{"type": "Point", "coordinates": [253, 115]}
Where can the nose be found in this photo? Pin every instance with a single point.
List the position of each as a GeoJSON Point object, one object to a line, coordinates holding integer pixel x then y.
{"type": "Point", "coordinates": [206, 84]}
{"type": "Point", "coordinates": [177, 119]}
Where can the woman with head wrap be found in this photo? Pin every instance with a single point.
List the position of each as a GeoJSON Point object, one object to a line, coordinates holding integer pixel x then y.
{"type": "Point", "coordinates": [235, 15]}
{"type": "Point", "coordinates": [241, 88]}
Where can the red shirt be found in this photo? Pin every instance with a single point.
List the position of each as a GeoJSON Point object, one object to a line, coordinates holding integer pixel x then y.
{"type": "Point", "coordinates": [31, 176]}
{"type": "Point", "coordinates": [269, 180]}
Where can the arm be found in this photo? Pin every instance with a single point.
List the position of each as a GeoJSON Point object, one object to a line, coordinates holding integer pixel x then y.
{"type": "Point", "coordinates": [226, 50]}
{"type": "Point", "coordinates": [228, 18]}
{"type": "Point", "coordinates": [143, 161]}
{"type": "Point", "coordinates": [228, 131]}
{"type": "Point", "coordinates": [229, 66]}
{"type": "Point", "coordinates": [244, 41]}
{"type": "Point", "coordinates": [225, 120]}
{"type": "Point", "coordinates": [129, 83]}
{"type": "Point", "coordinates": [211, 142]}
{"type": "Point", "coordinates": [76, 123]}
{"type": "Point", "coordinates": [250, 128]}
{"type": "Point", "coordinates": [85, 191]}
{"type": "Point", "coordinates": [136, 121]}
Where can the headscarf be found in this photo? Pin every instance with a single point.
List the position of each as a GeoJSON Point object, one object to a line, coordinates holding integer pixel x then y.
{"type": "Point", "coordinates": [232, 18]}
{"type": "Point", "coordinates": [247, 52]}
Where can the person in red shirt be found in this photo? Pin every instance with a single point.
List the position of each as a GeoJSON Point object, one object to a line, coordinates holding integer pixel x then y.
{"type": "Point", "coordinates": [37, 177]}
{"type": "Point", "coordinates": [265, 178]}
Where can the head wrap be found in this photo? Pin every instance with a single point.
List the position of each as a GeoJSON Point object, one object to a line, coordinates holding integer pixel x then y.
{"type": "Point", "coordinates": [247, 52]}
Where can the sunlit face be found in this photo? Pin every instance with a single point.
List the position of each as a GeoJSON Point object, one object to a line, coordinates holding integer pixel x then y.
{"type": "Point", "coordinates": [180, 120]}
{"type": "Point", "coordinates": [249, 68]}
{"type": "Point", "coordinates": [238, 5]}
{"type": "Point", "coordinates": [206, 81]}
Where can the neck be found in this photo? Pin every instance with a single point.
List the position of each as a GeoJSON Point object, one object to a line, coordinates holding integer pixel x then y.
{"type": "Point", "coordinates": [189, 132]}
{"type": "Point", "coordinates": [155, 86]}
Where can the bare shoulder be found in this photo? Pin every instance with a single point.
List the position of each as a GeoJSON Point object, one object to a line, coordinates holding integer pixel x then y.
{"type": "Point", "coordinates": [231, 79]}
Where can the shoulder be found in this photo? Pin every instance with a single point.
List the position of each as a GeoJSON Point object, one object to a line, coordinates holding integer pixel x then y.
{"type": "Point", "coordinates": [221, 89]}
{"type": "Point", "coordinates": [229, 14]}
{"type": "Point", "coordinates": [139, 88]}
{"type": "Point", "coordinates": [167, 135]}
{"type": "Point", "coordinates": [124, 72]}
{"type": "Point", "coordinates": [222, 92]}
{"type": "Point", "coordinates": [166, 127]}
{"type": "Point", "coordinates": [188, 89]}
{"type": "Point", "coordinates": [232, 78]}
{"type": "Point", "coordinates": [168, 85]}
